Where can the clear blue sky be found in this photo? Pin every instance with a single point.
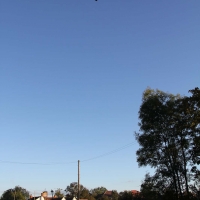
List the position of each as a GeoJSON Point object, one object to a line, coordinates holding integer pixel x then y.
{"type": "Point", "coordinates": [72, 74]}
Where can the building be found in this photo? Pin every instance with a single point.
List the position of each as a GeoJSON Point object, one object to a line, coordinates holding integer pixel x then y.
{"type": "Point", "coordinates": [44, 196]}
{"type": "Point", "coordinates": [135, 192]}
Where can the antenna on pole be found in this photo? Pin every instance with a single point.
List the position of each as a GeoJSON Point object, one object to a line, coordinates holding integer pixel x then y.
{"type": "Point", "coordinates": [78, 179]}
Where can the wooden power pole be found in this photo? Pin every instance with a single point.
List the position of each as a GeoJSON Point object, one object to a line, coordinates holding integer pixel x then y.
{"type": "Point", "coordinates": [78, 179]}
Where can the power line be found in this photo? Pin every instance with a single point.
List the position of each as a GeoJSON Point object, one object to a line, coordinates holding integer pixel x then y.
{"type": "Point", "coordinates": [66, 163]}
{"type": "Point", "coordinates": [111, 152]}
{"type": "Point", "coordinates": [35, 163]}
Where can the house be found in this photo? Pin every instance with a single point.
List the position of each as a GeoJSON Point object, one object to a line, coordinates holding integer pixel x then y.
{"type": "Point", "coordinates": [44, 196]}
{"type": "Point", "coordinates": [108, 193]}
{"type": "Point", "coordinates": [135, 192]}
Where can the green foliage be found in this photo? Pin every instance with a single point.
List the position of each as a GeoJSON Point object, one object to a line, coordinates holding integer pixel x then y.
{"type": "Point", "coordinates": [17, 193]}
{"type": "Point", "coordinates": [58, 193]}
{"type": "Point", "coordinates": [126, 195]}
{"type": "Point", "coordinates": [147, 188]}
{"type": "Point", "coordinates": [96, 192]}
{"type": "Point", "coordinates": [72, 189]}
{"type": "Point", "coordinates": [154, 188]}
{"type": "Point", "coordinates": [115, 195]}
{"type": "Point", "coordinates": [169, 140]}
{"type": "Point", "coordinates": [85, 194]}
{"type": "Point", "coordinates": [104, 198]}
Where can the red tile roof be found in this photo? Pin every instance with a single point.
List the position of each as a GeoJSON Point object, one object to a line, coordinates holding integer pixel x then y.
{"type": "Point", "coordinates": [134, 192]}
{"type": "Point", "coordinates": [108, 193]}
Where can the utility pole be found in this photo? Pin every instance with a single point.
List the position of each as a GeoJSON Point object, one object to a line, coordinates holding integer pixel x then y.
{"type": "Point", "coordinates": [78, 179]}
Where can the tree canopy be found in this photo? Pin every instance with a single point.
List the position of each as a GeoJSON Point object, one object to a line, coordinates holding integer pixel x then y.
{"type": "Point", "coordinates": [169, 139]}
{"type": "Point", "coordinates": [17, 193]}
{"type": "Point", "coordinates": [72, 189]}
{"type": "Point", "coordinates": [59, 193]}
{"type": "Point", "coordinates": [98, 191]}
{"type": "Point", "coordinates": [85, 194]}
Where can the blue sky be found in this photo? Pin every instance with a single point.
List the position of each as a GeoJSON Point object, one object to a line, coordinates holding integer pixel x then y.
{"type": "Point", "coordinates": [72, 74]}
